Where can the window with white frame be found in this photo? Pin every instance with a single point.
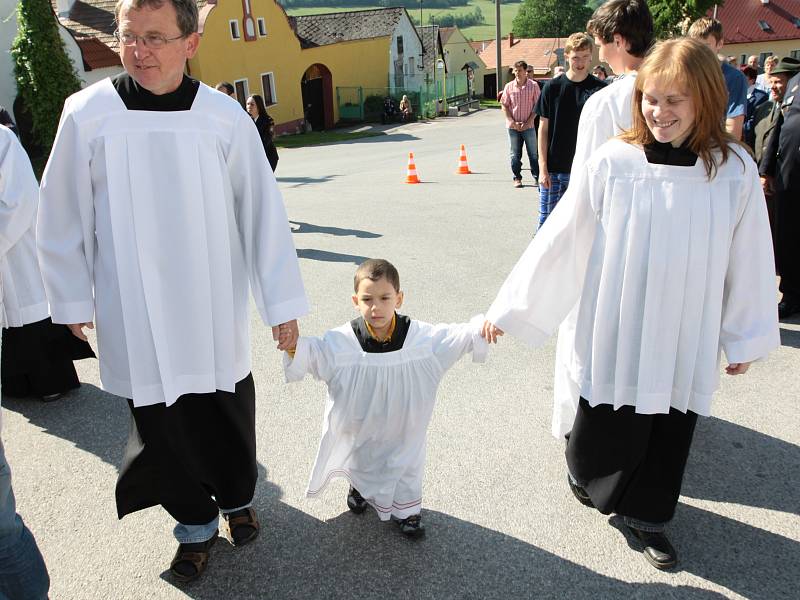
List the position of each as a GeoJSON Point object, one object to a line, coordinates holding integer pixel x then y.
{"type": "Point", "coordinates": [262, 27]}
{"type": "Point", "coordinates": [235, 32]}
{"type": "Point", "coordinates": [268, 89]}
{"type": "Point", "coordinates": [242, 90]}
{"type": "Point", "coordinates": [762, 57]}
{"type": "Point", "coordinates": [795, 54]}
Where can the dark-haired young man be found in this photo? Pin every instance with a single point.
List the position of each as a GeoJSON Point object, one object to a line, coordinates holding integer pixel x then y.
{"type": "Point", "coordinates": [518, 99]}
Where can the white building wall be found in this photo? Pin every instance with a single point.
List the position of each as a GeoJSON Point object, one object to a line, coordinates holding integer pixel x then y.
{"type": "Point", "coordinates": [411, 48]}
{"type": "Point", "coordinates": [8, 31]}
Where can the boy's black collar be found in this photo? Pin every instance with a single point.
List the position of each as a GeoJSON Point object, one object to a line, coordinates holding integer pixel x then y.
{"type": "Point", "coordinates": [370, 344]}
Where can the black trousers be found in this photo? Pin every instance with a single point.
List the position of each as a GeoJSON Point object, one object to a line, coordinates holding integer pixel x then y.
{"type": "Point", "coordinates": [630, 464]}
{"type": "Point", "coordinates": [787, 247]}
{"type": "Point", "coordinates": [193, 458]}
{"type": "Point", "coordinates": [37, 359]}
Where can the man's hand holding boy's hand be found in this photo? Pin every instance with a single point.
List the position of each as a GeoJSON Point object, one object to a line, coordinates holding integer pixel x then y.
{"type": "Point", "coordinates": [286, 335]}
{"type": "Point", "coordinates": [490, 332]}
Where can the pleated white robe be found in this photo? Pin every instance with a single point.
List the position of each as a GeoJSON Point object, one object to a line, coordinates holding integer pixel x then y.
{"type": "Point", "coordinates": [668, 269]}
{"type": "Point", "coordinates": [22, 298]}
{"type": "Point", "coordinates": [379, 406]}
{"type": "Point", "coordinates": [152, 223]}
{"type": "Point", "coordinates": [606, 114]}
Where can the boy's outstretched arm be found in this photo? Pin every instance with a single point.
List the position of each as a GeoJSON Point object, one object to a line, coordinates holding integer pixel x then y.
{"type": "Point", "coordinates": [490, 332]}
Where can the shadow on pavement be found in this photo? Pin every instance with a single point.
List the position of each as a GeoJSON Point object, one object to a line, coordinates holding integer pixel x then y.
{"type": "Point", "coordinates": [309, 228]}
{"type": "Point", "coordinates": [749, 561]}
{"type": "Point", "coordinates": [790, 337]}
{"type": "Point", "coordinates": [326, 256]}
{"type": "Point", "coordinates": [731, 463]}
{"type": "Point", "coordinates": [300, 181]}
{"type": "Point", "coordinates": [93, 420]}
{"type": "Point", "coordinates": [298, 556]}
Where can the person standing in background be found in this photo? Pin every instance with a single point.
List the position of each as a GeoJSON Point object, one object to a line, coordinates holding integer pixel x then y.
{"type": "Point", "coordinates": [266, 127]}
{"type": "Point", "coordinates": [519, 96]}
{"type": "Point", "coordinates": [559, 110]}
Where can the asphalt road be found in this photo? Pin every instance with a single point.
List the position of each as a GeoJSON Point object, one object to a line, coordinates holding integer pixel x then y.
{"type": "Point", "coordinates": [501, 521]}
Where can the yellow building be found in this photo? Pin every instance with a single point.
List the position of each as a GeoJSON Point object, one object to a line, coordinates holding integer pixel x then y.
{"type": "Point", "coordinates": [296, 63]}
{"type": "Point", "coordinates": [460, 56]}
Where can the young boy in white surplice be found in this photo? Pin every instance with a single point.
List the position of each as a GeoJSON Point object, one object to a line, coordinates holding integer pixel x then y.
{"type": "Point", "coordinates": [382, 371]}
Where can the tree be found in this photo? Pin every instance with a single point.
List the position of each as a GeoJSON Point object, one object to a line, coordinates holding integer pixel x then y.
{"type": "Point", "coordinates": [551, 18]}
{"type": "Point", "coordinates": [673, 17]}
{"type": "Point", "coordinates": [44, 73]}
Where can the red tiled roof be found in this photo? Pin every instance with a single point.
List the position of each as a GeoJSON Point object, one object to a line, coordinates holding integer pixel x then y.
{"type": "Point", "coordinates": [537, 52]}
{"type": "Point", "coordinates": [445, 33]}
{"type": "Point", "coordinates": [96, 54]}
{"type": "Point", "coordinates": [91, 19]}
{"type": "Point", "coordinates": [740, 19]}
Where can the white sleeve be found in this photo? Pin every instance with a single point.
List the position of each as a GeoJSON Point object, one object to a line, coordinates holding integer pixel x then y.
{"type": "Point", "coordinates": [595, 127]}
{"type": "Point", "coordinates": [264, 229]}
{"type": "Point", "coordinates": [451, 342]}
{"type": "Point", "coordinates": [749, 310]}
{"type": "Point", "coordinates": [65, 230]}
{"type": "Point", "coordinates": [19, 191]}
{"type": "Point", "coordinates": [548, 279]}
{"type": "Point", "coordinates": [312, 355]}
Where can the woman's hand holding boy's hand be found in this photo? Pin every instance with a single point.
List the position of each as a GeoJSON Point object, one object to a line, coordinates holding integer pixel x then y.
{"type": "Point", "coordinates": [737, 368]}
{"type": "Point", "coordinates": [490, 332]}
{"type": "Point", "coordinates": [286, 335]}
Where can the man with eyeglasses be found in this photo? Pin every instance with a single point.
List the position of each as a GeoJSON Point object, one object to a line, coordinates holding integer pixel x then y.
{"type": "Point", "coordinates": [158, 213]}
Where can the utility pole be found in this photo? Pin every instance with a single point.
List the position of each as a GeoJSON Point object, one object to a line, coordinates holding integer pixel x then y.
{"type": "Point", "coordinates": [498, 54]}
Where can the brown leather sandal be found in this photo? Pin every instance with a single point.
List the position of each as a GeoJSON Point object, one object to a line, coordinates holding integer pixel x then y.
{"type": "Point", "coordinates": [191, 560]}
{"type": "Point", "coordinates": [240, 527]}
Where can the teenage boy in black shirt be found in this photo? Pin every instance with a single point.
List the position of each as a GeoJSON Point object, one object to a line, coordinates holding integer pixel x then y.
{"type": "Point", "coordinates": [559, 108]}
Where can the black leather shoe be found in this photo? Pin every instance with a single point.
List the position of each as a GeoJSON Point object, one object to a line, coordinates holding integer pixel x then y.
{"type": "Point", "coordinates": [787, 308]}
{"type": "Point", "coordinates": [412, 527]}
{"type": "Point", "coordinates": [580, 493]}
{"type": "Point", "coordinates": [355, 501]}
{"type": "Point", "coordinates": [656, 548]}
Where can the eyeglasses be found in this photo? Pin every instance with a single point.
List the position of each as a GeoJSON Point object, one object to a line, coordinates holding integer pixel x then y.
{"type": "Point", "coordinates": [151, 40]}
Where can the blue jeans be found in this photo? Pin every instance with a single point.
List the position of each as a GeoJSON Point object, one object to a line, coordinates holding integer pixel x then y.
{"type": "Point", "coordinates": [516, 139]}
{"type": "Point", "coordinates": [23, 574]}
{"type": "Point", "coordinates": [191, 534]}
{"type": "Point", "coordinates": [549, 197]}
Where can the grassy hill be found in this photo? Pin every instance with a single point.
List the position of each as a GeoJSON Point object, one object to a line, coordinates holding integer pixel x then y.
{"type": "Point", "coordinates": [478, 32]}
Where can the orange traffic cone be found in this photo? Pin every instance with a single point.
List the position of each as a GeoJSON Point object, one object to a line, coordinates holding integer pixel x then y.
{"type": "Point", "coordinates": [463, 169]}
{"type": "Point", "coordinates": [411, 175]}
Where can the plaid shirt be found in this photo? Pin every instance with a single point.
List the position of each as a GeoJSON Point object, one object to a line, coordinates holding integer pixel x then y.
{"type": "Point", "coordinates": [520, 100]}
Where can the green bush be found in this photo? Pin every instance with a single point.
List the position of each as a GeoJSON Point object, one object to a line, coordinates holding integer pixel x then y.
{"type": "Point", "coordinates": [44, 73]}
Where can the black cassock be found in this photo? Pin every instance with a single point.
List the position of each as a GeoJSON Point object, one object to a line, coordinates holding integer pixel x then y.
{"type": "Point", "coordinates": [37, 359]}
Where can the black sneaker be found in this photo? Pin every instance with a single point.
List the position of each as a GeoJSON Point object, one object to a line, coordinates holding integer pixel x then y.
{"type": "Point", "coordinates": [656, 548]}
{"type": "Point", "coordinates": [579, 493]}
{"type": "Point", "coordinates": [355, 501]}
{"type": "Point", "coordinates": [412, 527]}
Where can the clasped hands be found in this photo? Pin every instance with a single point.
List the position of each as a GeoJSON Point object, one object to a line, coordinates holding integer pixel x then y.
{"type": "Point", "coordinates": [286, 335]}
{"type": "Point", "coordinates": [490, 332]}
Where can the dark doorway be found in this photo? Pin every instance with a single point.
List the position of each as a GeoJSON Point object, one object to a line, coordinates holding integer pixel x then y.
{"type": "Point", "coordinates": [317, 90]}
{"type": "Point", "coordinates": [313, 104]}
{"type": "Point", "coordinates": [490, 86]}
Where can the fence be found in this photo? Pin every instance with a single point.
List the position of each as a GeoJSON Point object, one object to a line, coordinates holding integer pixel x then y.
{"type": "Point", "coordinates": [366, 104]}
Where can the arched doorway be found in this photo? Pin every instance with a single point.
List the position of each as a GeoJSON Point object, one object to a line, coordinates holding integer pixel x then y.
{"type": "Point", "coordinates": [317, 89]}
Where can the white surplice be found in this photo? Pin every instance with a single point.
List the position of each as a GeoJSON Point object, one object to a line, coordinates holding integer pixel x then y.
{"type": "Point", "coordinates": [606, 114]}
{"type": "Point", "coordinates": [151, 223]}
{"type": "Point", "coordinates": [668, 269]}
{"type": "Point", "coordinates": [22, 298]}
{"type": "Point", "coordinates": [379, 406]}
